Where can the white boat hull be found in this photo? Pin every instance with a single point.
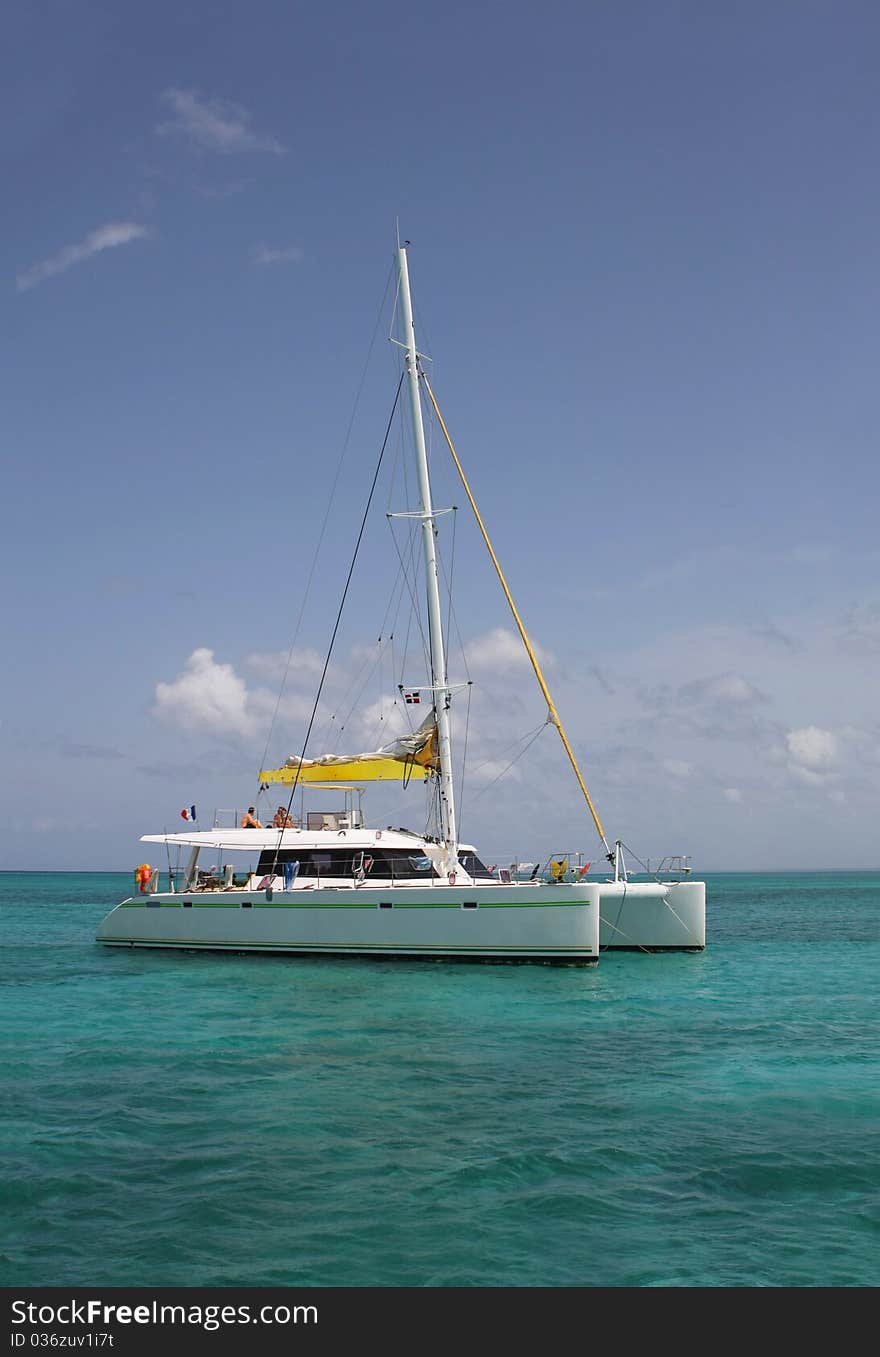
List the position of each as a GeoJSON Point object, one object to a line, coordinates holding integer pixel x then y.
{"type": "Point", "coordinates": [540, 923]}
{"type": "Point", "coordinates": [668, 916]}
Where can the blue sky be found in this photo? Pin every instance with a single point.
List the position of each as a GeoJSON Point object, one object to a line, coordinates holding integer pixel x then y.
{"type": "Point", "coordinates": [645, 264]}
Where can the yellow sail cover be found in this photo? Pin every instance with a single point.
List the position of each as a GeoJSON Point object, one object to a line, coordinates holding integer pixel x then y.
{"type": "Point", "coordinates": [412, 756]}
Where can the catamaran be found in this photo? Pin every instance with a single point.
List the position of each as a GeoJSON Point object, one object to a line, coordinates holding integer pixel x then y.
{"type": "Point", "coordinates": [331, 885]}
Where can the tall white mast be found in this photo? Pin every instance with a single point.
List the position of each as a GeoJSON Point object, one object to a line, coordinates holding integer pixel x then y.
{"type": "Point", "coordinates": [439, 676]}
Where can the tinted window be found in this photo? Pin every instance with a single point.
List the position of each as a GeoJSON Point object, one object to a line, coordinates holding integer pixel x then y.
{"type": "Point", "coordinates": [474, 867]}
{"type": "Point", "coordinates": [310, 864]}
{"type": "Point", "coordinates": [386, 862]}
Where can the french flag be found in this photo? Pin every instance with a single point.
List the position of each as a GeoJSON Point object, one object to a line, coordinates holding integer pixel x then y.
{"type": "Point", "coordinates": [188, 814]}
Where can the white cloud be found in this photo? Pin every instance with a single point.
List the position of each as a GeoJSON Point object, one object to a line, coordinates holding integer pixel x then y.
{"type": "Point", "coordinates": [210, 697]}
{"type": "Point", "coordinates": [678, 767]}
{"type": "Point", "coordinates": [808, 775]}
{"type": "Point", "coordinates": [813, 748]}
{"type": "Point", "coordinates": [213, 125]}
{"type": "Point", "coordinates": [304, 664]}
{"type": "Point", "coordinates": [502, 648]}
{"type": "Point", "coordinates": [813, 755]}
{"type": "Point", "coordinates": [724, 689]}
{"type": "Point", "coordinates": [206, 696]}
{"type": "Point", "coordinates": [733, 794]}
{"type": "Point", "coordinates": [270, 254]}
{"type": "Point", "coordinates": [104, 238]}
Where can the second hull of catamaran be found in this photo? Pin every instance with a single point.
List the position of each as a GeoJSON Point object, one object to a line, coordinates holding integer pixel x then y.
{"type": "Point", "coordinates": [663, 916]}
{"type": "Point", "coordinates": [540, 923]}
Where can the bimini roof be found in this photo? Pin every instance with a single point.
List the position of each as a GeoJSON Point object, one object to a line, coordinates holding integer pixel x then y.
{"type": "Point", "coordinates": [256, 840]}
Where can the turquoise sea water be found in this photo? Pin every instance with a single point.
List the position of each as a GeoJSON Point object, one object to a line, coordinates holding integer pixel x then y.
{"type": "Point", "coordinates": [694, 1120]}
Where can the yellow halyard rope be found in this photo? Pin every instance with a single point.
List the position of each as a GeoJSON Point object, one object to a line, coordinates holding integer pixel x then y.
{"type": "Point", "coordinates": [551, 706]}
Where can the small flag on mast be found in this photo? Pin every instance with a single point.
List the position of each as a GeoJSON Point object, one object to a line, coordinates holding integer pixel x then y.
{"type": "Point", "coordinates": [188, 814]}
{"type": "Point", "coordinates": [414, 697]}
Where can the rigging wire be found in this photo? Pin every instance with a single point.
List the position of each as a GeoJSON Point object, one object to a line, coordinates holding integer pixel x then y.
{"type": "Point", "coordinates": [410, 585]}
{"type": "Point", "coordinates": [330, 501]}
{"type": "Point", "coordinates": [516, 759]}
{"type": "Point", "coordinates": [467, 728]}
{"type": "Point", "coordinates": [645, 868]}
{"type": "Point", "coordinates": [357, 548]}
{"type": "Point", "coordinates": [399, 668]}
{"type": "Point", "coordinates": [366, 670]}
{"type": "Point", "coordinates": [451, 571]}
{"type": "Point", "coordinates": [551, 707]}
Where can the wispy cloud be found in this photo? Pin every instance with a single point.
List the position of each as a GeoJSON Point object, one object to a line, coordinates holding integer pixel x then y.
{"type": "Point", "coordinates": [270, 254]}
{"type": "Point", "coordinates": [90, 751]}
{"type": "Point", "coordinates": [722, 690]}
{"type": "Point", "coordinates": [862, 627]}
{"type": "Point", "coordinates": [774, 636]}
{"type": "Point", "coordinates": [678, 767]}
{"type": "Point", "coordinates": [720, 706]}
{"type": "Point", "coordinates": [104, 238]}
{"type": "Point", "coordinates": [213, 125]}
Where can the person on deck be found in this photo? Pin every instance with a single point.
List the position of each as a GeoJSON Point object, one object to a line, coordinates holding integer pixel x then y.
{"type": "Point", "coordinates": [249, 821]}
{"type": "Point", "coordinates": [281, 819]}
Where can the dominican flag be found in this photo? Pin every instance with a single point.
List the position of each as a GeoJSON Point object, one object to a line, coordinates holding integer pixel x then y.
{"type": "Point", "coordinates": [414, 698]}
{"type": "Point", "coordinates": [188, 813]}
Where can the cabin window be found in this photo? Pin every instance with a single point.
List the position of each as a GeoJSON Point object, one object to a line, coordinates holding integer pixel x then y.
{"type": "Point", "coordinates": [474, 867]}
{"type": "Point", "coordinates": [307, 863]}
{"type": "Point", "coordinates": [402, 866]}
{"type": "Point", "coordinates": [341, 863]}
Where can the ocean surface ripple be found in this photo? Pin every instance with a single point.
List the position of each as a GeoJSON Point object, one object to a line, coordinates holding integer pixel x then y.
{"type": "Point", "coordinates": [197, 1120]}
